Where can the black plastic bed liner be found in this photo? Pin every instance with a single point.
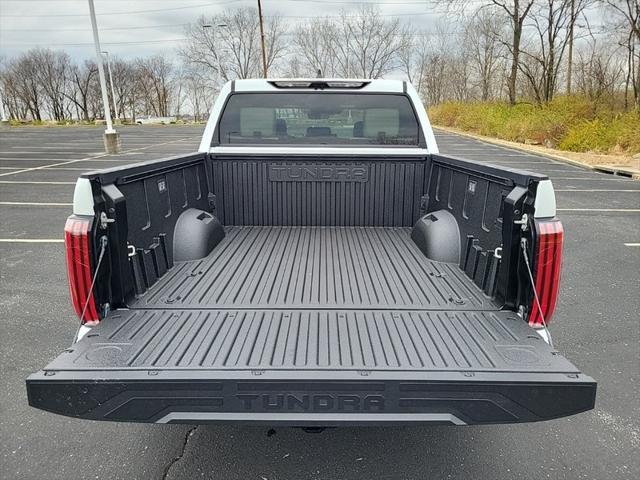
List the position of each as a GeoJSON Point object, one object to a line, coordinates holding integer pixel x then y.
{"type": "Point", "coordinates": [313, 326]}
{"type": "Point", "coordinates": [316, 268]}
{"type": "Point", "coordinates": [301, 367]}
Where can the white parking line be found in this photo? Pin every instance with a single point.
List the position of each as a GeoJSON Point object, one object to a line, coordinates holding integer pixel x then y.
{"type": "Point", "coordinates": [632, 244]}
{"type": "Point", "coordinates": [91, 158]}
{"type": "Point", "coordinates": [35, 152]}
{"type": "Point", "coordinates": [37, 183]}
{"type": "Point", "coordinates": [82, 169]}
{"type": "Point", "coordinates": [598, 209]}
{"type": "Point", "coordinates": [37, 204]}
{"type": "Point", "coordinates": [592, 190]}
{"type": "Point", "coordinates": [32, 159]}
{"type": "Point", "coordinates": [596, 179]}
{"type": "Point", "coordinates": [31, 240]}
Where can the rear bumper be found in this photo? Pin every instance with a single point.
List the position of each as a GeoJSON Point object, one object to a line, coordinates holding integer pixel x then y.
{"type": "Point", "coordinates": [311, 398]}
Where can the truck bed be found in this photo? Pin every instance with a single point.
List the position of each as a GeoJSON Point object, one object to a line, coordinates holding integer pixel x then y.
{"type": "Point", "coordinates": [372, 268]}
{"type": "Point", "coordinates": [313, 326]}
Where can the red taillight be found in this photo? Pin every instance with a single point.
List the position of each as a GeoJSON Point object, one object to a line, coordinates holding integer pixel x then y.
{"type": "Point", "coordinates": [76, 239]}
{"type": "Point", "coordinates": [548, 261]}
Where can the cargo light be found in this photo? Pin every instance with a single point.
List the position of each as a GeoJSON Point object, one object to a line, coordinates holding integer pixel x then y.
{"type": "Point", "coordinates": [317, 84]}
{"type": "Point", "coordinates": [547, 265]}
{"type": "Point", "coordinates": [77, 232]}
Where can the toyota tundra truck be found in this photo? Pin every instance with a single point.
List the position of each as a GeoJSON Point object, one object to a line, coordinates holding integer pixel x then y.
{"type": "Point", "coordinates": [317, 262]}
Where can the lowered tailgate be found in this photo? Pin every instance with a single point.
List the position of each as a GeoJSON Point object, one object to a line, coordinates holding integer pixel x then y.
{"type": "Point", "coordinates": [302, 367]}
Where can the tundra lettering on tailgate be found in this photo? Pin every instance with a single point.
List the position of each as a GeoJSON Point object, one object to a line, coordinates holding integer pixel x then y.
{"type": "Point", "coordinates": [312, 403]}
{"type": "Point", "coordinates": [318, 173]}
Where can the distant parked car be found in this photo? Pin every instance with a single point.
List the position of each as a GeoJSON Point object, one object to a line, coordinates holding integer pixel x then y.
{"type": "Point", "coordinates": [148, 120]}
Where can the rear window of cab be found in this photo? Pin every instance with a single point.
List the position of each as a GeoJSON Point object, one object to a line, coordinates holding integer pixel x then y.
{"type": "Point", "coordinates": [318, 118]}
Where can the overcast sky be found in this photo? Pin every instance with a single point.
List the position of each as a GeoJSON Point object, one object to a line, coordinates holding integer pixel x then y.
{"type": "Point", "coordinates": [130, 28]}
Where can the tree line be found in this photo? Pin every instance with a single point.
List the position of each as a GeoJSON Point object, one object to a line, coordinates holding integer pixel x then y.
{"type": "Point", "coordinates": [508, 50]}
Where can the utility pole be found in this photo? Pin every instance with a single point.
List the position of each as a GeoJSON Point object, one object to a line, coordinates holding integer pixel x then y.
{"type": "Point", "coordinates": [111, 137]}
{"type": "Point", "coordinates": [113, 91]}
{"type": "Point", "coordinates": [572, 20]}
{"type": "Point", "coordinates": [264, 52]}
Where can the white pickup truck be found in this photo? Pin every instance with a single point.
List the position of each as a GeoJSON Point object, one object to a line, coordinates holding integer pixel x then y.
{"type": "Point", "coordinates": [316, 263]}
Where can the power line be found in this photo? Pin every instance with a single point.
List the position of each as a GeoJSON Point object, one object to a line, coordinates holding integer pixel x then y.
{"type": "Point", "coordinates": [137, 42]}
{"type": "Point", "coordinates": [355, 2]}
{"type": "Point", "coordinates": [222, 3]}
{"type": "Point", "coordinates": [88, 29]}
{"type": "Point", "coordinates": [119, 13]}
{"type": "Point", "coordinates": [182, 39]}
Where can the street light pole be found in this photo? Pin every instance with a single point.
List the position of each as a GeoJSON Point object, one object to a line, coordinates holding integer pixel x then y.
{"type": "Point", "coordinates": [111, 137]}
{"type": "Point", "coordinates": [113, 91]}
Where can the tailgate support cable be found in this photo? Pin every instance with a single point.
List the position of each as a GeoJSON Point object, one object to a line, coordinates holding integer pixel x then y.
{"type": "Point", "coordinates": [103, 249]}
{"type": "Point", "coordinates": [523, 243]}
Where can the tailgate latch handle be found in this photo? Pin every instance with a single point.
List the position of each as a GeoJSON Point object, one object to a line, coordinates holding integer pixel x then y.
{"type": "Point", "coordinates": [523, 222]}
{"type": "Point", "coordinates": [105, 221]}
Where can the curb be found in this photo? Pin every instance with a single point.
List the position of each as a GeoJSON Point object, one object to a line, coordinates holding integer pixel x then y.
{"type": "Point", "coordinates": [632, 173]}
{"type": "Point", "coordinates": [505, 143]}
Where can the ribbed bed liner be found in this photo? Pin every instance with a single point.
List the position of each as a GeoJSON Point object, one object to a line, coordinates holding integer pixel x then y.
{"type": "Point", "coordinates": [316, 268]}
{"type": "Point", "coordinates": [306, 340]}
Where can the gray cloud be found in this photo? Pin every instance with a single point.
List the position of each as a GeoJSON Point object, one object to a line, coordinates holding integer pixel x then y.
{"type": "Point", "coordinates": [130, 28]}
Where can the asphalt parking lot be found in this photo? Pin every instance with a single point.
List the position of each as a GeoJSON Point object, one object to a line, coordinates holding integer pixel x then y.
{"type": "Point", "coordinates": [597, 326]}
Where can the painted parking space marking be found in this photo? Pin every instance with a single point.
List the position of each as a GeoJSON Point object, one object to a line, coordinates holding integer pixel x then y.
{"type": "Point", "coordinates": [599, 178]}
{"type": "Point", "coordinates": [37, 204]}
{"type": "Point", "coordinates": [35, 183]}
{"type": "Point", "coordinates": [89, 158]}
{"type": "Point", "coordinates": [31, 240]}
{"type": "Point", "coordinates": [30, 158]}
{"type": "Point", "coordinates": [598, 209]}
{"type": "Point", "coordinates": [594, 190]}
{"type": "Point", "coordinates": [632, 244]}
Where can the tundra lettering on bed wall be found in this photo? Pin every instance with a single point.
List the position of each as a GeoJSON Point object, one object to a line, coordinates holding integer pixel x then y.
{"type": "Point", "coordinates": [323, 173]}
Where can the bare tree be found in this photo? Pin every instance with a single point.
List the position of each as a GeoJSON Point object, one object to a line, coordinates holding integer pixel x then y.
{"type": "Point", "coordinates": [199, 90]}
{"type": "Point", "coordinates": [436, 52]}
{"type": "Point", "coordinates": [315, 49]}
{"type": "Point", "coordinates": [516, 12]}
{"type": "Point", "coordinates": [83, 77]}
{"type": "Point", "coordinates": [275, 44]}
{"type": "Point", "coordinates": [21, 82]}
{"type": "Point", "coordinates": [624, 19]}
{"type": "Point", "coordinates": [482, 41]}
{"type": "Point", "coordinates": [233, 51]}
{"type": "Point", "coordinates": [363, 44]}
{"type": "Point", "coordinates": [553, 22]}
{"type": "Point", "coordinates": [599, 72]}
{"type": "Point", "coordinates": [544, 54]}
{"type": "Point", "coordinates": [53, 71]}
{"type": "Point", "coordinates": [375, 42]}
{"type": "Point", "coordinates": [154, 79]}
{"type": "Point", "coordinates": [124, 83]}
{"type": "Point", "coordinates": [413, 58]}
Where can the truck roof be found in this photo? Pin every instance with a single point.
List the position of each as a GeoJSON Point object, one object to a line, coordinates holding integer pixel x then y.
{"type": "Point", "coordinates": [348, 84]}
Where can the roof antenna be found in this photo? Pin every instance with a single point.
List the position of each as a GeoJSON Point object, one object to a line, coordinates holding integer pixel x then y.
{"type": "Point", "coordinates": [319, 74]}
